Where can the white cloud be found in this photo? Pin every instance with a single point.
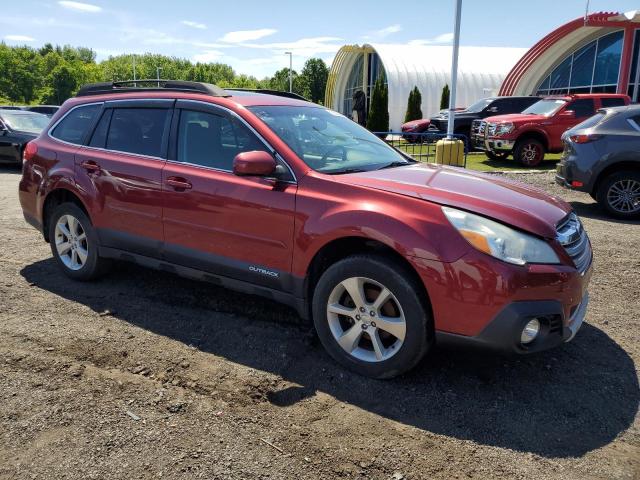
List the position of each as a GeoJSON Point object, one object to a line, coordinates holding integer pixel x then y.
{"type": "Point", "coordinates": [19, 38]}
{"type": "Point", "coordinates": [192, 24]}
{"type": "Point", "coordinates": [304, 47]}
{"type": "Point", "coordinates": [80, 6]}
{"type": "Point", "coordinates": [247, 35]}
{"type": "Point", "coordinates": [208, 56]}
{"type": "Point", "coordinates": [384, 32]}
{"type": "Point", "coordinates": [444, 38]}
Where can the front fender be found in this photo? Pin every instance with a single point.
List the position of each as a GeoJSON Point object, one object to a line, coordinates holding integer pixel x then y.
{"type": "Point", "coordinates": [412, 227]}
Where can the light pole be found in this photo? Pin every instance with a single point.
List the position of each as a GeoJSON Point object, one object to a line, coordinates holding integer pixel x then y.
{"type": "Point", "coordinates": [290, 70]}
{"type": "Point", "coordinates": [158, 70]}
{"type": "Point", "coordinates": [454, 68]}
{"type": "Point", "coordinates": [134, 67]}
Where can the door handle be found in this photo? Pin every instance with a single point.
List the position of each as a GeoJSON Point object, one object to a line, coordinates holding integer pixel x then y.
{"type": "Point", "coordinates": [178, 183]}
{"type": "Point", "coordinates": [90, 166]}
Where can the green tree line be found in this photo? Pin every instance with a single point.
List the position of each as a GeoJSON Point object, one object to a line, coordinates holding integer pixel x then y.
{"type": "Point", "coordinates": [50, 75]}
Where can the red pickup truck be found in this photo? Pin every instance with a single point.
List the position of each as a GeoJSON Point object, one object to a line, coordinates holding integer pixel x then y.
{"type": "Point", "coordinates": [537, 130]}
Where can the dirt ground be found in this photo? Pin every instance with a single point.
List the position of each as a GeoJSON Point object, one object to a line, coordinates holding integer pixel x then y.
{"type": "Point", "coordinates": [146, 375]}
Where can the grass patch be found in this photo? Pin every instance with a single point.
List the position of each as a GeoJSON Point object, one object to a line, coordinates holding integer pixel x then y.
{"type": "Point", "coordinates": [477, 160]}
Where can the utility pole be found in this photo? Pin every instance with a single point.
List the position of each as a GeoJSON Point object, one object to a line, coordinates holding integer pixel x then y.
{"type": "Point", "coordinates": [454, 68]}
{"type": "Point", "coordinates": [134, 67]}
{"type": "Point", "coordinates": [290, 70]}
{"type": "Point", "coordinates": [158, 69]}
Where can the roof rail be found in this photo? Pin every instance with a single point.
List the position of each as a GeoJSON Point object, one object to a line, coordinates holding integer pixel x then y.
{"type": "Point", "coordinates": [266, 91]}
{"type": "Point", "coordinates": [153, 85]}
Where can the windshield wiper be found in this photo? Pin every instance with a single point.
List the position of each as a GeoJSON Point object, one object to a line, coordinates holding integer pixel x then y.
{"type": "Point", "coordinates": [346, 170]}
{"type": "Point", "coordinates": [394, 164]}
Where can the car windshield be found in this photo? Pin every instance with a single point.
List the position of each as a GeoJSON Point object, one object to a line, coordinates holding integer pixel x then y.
{"type": "Point", "coordinates": [327, 141]}
{"type": "Point", "coordinates": [25, 121]}
{"type": "Point", "coordinates": [480, 105]}
{"type": "Point", "coordinates": [546, 107]}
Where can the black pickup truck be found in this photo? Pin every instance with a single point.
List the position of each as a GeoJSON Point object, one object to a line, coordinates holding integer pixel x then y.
{"type": "Point", "coordinates": [487, 107]}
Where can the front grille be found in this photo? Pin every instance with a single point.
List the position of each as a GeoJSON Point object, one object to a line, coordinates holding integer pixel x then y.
{"type": "Point", "coordinates": [478, 128]}
{"type": "Point", "coordinates": [574, 239]}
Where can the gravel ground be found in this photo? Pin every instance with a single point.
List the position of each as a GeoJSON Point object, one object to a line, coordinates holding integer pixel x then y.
{"type": "Point", "coordinates": [147, 375]}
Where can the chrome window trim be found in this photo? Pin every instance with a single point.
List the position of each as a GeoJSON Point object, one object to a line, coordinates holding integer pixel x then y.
{"type": "Point", "coordinates": [87, 147]}
{"type": "Point", "coordinates": [253, 130]}
{"type": "Point", "coordinates": [633, 124]}
{"type": "Point", "coordinates": [50, 130]}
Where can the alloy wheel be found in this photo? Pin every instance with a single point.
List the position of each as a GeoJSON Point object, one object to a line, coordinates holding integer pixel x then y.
{"type": "Point", "coordinates": [531, 154]}
{"type": "Point", "coordinates": [366, 319]}
{"type": "Point", "coordinates": [624, 196]}
{"type": "Point", "coordinates": [71, 242]}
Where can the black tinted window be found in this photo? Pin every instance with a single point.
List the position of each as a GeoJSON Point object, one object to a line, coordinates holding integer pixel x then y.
{"type": "Point", "coordinates": [583, 107]}
{"type": "Point", "coordinates": [213, 140]}
{"type": "Point", "coordinates": [501, 105]}
{"type": "Point", "coordinates": [99, 137]}
{"type": "Point", "coordinates": [138, 130]}
{"type": "Point", "coordinates": [521, 103]}
{"type": "Point", "coordinates": [76, 124]}
{"type": "Point", "coordinates": [612, 102]}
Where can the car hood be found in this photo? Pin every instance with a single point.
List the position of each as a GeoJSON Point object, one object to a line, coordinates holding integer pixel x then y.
{"type": "Point", "coordinates": [416, 123]}
{"type": "Point", "coordinates": [493, 196]}
{"type": "Point", "coordinates": [516, 118]}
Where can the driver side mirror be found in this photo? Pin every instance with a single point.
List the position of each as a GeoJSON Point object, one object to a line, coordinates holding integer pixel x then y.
{"type": "Point", "coordinates": [568, 114]}
{"type": "Point", "coordinates": [256, 163]}
{"type": "Point", "coordinates": [492, 109]}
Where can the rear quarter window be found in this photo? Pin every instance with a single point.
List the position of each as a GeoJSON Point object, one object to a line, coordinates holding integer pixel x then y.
{"type": "Point", "coordinates": [74, 126]}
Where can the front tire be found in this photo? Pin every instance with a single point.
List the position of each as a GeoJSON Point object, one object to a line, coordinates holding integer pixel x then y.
{"type": "Point", "coordinates": [529, 152]}
{"type": "Point", "coordinates": [619, 195]}
{"type": "Point", "coordinates": [74, 243]}
{"type": "Point", "coordinates": [497, 155]}
{"type": "Point", "coordinates": [371, 316]}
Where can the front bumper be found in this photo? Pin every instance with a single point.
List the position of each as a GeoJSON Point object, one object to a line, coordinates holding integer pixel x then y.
{"type": "Point", "coordinates": [499, 145]}
{"type": "Point", "coordinates": [478, 300]}
{"type": "Point", "coordinates": [503, 333]}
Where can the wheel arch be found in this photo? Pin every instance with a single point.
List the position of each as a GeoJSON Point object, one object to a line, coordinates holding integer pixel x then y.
{"type": "Point", "coordinates": [343, 247]}
{"type": "Point", "coordinates": [56, 197]}
{"type": "Point", "coordinates": [611, 169]}
{"type": "Point", "coordinates": [536, 135]}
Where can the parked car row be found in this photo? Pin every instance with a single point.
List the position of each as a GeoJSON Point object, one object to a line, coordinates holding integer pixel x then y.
{"type": "Point", "coordinates": [599, 135]}
{"type": "Point", "coordinates": [47, 110]}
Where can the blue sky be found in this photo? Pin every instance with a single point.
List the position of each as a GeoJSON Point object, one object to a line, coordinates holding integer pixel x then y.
{"type": "Point", "coordinates": [252, 36]}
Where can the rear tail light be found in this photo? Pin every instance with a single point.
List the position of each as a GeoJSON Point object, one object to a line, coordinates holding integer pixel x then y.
{"type": "Point", "coordinates": [584, 138]}
{"type": "Point", "coordinates": [29, 151]}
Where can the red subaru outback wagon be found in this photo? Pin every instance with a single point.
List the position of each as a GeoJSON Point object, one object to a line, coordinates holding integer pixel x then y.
{"type": "Point", "coordinates": [278, 197]}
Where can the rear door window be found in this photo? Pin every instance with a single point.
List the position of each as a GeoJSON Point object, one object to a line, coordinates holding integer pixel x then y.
{"type": "Point", "coordinates": [74, 127]}
{"type": "Point", "coordinates": [138, 130]}
{"type": "Point", "coordinates": [612, 102]}
{"type": "Point", "coordinates": [583, 107]}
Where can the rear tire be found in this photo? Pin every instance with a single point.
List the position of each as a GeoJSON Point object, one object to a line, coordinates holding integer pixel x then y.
{"type": "Point", "coordinates": [377, 340]}
{"type": "Point", "coordinates": [529, 152]}
{"type": "Point", "coordinates": [619, 195]}
{"type": "Point", "coordinates": [74, 243]}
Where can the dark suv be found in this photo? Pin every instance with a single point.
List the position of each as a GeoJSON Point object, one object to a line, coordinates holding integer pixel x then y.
{"type": "Point", "coordinates": [601, 157]}
{"type": "Point", "coordinates": [279, 197]}
{"type": "Point", "coordinates": [468, 121]}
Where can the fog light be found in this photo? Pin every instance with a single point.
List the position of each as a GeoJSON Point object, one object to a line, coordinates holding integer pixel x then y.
{"type": "Point", "coordinates": [530, 331]}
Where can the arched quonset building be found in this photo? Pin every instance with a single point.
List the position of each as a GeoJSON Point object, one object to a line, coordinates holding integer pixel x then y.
{"type": "Point", "coordinates": [480, 74]}
{"type": "Point", "coordinates": [593, 55]}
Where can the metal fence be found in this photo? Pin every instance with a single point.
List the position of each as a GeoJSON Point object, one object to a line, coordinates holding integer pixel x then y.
{"type": "Point", "coordinates": [421, 146]}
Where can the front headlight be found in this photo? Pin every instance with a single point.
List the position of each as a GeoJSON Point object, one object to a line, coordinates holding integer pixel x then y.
{"type": "Point", "coordinates": [504, 128]}
{"type": "Point", "coordinates": [499, 240]}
